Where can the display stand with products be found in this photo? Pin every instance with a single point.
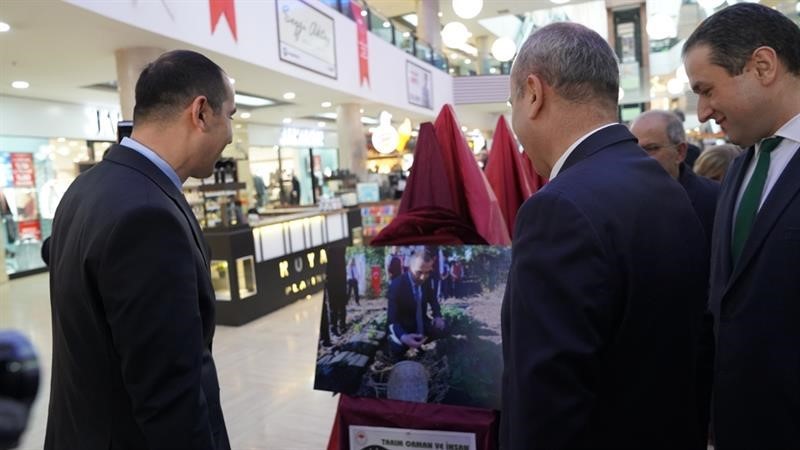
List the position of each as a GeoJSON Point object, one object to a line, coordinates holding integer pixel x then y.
{"type": "Point", "coordinates": [273, 262]}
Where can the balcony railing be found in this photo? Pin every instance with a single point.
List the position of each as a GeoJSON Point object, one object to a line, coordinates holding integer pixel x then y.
{"type": "Point", "coordinates": [404, 38]}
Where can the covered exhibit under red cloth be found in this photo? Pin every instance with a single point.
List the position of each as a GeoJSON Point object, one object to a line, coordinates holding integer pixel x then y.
{"type": "Point", "coordinates": [445, 167]}
{"type": "Point", "coordinates": [447, 201]}
{"type": "Point", "coordinates": [508, 175]}
{"type": "Point", "coordinates": [427, 214]}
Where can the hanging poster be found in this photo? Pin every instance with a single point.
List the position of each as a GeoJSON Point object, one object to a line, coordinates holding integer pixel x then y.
{"type": "Point", "coordinates": [419, 85]}
{"type": "Point", "coordinates": [306, 37]}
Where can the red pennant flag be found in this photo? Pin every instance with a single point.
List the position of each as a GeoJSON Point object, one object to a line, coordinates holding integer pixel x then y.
{"type": "Point", "coordinates": [221, 8]}
{"type": "Point", "coordinates": [363, 49]}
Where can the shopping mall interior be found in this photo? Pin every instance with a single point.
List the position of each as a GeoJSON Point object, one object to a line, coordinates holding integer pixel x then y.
{"type": "Point", "coordinates": [331, 95]}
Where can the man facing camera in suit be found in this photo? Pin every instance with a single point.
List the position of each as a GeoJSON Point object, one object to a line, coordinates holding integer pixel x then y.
{"type": "Point", "coordinates": [605, 294]}
{"type": "Point", "coordinates": [131, 294]}
{"type": "Point", "coordinates": [409, 296]}
{"type": "Point", "coordinates": [661, 135]}
{"type": "Point", "coordinates": [744, 63]}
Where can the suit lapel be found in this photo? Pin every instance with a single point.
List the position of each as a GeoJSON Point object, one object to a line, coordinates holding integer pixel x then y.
{"type": "Point", "coordinates": [785, 189]}
{"type": "Point", "coordinates": [131, 158]}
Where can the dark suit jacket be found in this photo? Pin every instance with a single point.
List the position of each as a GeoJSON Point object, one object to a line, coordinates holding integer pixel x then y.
{"type": "Point", "coordinates": [133, 315]}
{"type": "Point", "coordinates": [756, 307]}
{"type": "Point", "coordinates": [603, 306]}
{"type": "Point", "coordinates": [703, 193]}
{"type": "Point", "coordinates": [403, 308]}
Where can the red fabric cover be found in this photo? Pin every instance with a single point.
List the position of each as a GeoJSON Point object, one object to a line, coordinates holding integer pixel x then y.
{"type": "Point", "coordinates": [428, 225]}
{"type": "Point", "coordinates": [506, 173]}
{"type": "Point", "coordinates": [473, 198]}
{"type": "Point", "coordinates": [426, 214]}
{"type": "Point", "coordinates": [419, 416]}
{"type": "Point", "coordinates": [425, 186]}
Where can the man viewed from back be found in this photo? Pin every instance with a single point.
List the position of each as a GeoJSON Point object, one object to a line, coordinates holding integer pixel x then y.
{"type": "Point", "coordinates": [744, 63]}
{"type": "Point", "coordinates": [131, 295]}
{"type": "Point", "coordinates": [661, 135]}
{"type": "Point", "coordinates": [604, 298]}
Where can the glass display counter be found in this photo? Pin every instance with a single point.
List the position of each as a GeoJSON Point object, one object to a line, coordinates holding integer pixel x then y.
{"type": "Point", "coordinates": [273, 262]}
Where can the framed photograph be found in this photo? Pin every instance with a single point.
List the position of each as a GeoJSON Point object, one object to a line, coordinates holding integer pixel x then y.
{"type": "Point", "coordinates": [419, 85]}
{"type": "Point", "coordinates": [414, 323]}
{"type": "Point", "coordinates": [306, 37]}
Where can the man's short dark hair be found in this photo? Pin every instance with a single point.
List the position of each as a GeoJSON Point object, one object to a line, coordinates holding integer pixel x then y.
{"type": "Point", "coordinates": [171, 82]}
{"type": "Point", "coordinates": [735, 32]}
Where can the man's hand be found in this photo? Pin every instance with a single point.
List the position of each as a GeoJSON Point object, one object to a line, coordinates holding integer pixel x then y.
{"type": "Point", "coordinates": [413, 340]}
{"type": "Point", "coordinates": [438, 322]}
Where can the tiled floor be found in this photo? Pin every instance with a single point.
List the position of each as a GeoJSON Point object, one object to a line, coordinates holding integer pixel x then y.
{"type": "Point", "coordinates": [266, 371]}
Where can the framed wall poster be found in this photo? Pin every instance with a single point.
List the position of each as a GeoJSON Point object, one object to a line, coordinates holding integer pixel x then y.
{"type": "Point", "coordinates": [306, 37]}
{"type": "Point", "coordinates": [419, 85]}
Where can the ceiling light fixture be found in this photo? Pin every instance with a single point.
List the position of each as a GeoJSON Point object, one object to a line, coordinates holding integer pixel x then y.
{"type": "Point", "coordinates": [4, 27]}
{"type": "Point", "coordinates": [20, 84]}
{"type": "Point", "coordinates": [321, 124]}
{"type": "Point", "coordinates": [467, 9]}
{"type": "Point", "coordinates": [559, 2]}
{"type": "Point", "coordinates": [289, 96]}
{"type": "Point", "coordinates": [364, 13]}
{"type": "Point", "coordinates": [661, 26]}
{"type": "Point", "coordinates": [287, 120]}
{"type": "Point", "coordinates": [675, 86]}
{"type": "Point", "coordinates": [504, 49]}
{"type": "Point", "coordinates": [252, 100]}
{"type": "Point", "coordinates": [455, 34]}
{"type": "Point", "coordinates": [326, 104]}
{"type": "Point", "coordinates": [245, 115]}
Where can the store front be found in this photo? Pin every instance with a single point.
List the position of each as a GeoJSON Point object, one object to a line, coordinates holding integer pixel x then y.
{"type": "Point", "coordinates": [43, 147]}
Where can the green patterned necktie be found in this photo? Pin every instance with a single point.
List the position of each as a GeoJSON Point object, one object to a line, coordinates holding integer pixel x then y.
{"type": "Point", "coordinates": [751, 199]}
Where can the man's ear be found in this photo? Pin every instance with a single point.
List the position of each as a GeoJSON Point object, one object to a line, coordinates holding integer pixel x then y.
{"type": "Point", "coordinates": [682, 148]}
{"type": "Point", "coordinates": [199, 111]}
{"type": "Point", "coordinates": [764, 63]}
{"type": "Point", "coordinates": [534, 95]}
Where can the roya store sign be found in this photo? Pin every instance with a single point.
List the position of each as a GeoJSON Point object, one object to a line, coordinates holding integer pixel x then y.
{"type": "Point", "coordinates": [300, 266]}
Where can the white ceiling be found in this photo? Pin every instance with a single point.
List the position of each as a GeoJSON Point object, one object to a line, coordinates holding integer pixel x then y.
{"type": "Point", "coordinates": [59, 48]}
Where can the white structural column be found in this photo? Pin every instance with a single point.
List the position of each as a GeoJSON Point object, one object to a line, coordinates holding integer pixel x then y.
{"type": "Point", "coordinates": [483, 63]}
{"type": "Point", "coordinates": [130, 62]}
{"type": "Point", "coordinates": [429, 27]}
{"type": "Point", "coordinates": [352, 140]}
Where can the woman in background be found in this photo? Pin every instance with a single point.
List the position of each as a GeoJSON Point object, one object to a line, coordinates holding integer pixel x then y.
{"type": "Point", "coordinates": [713, 163]}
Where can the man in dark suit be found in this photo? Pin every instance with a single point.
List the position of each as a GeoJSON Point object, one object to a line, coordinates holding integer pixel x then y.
{"type": "Point", "coordinates": [605, 295]}
{"type": "Point", "coordinates": [744, 63]}
{"type": "Point", "coordinates": [409, 297]}
{"type": "Point", "coordinates": [132, 300]}
{"type": "Point", "coordinates": [661, 135]}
